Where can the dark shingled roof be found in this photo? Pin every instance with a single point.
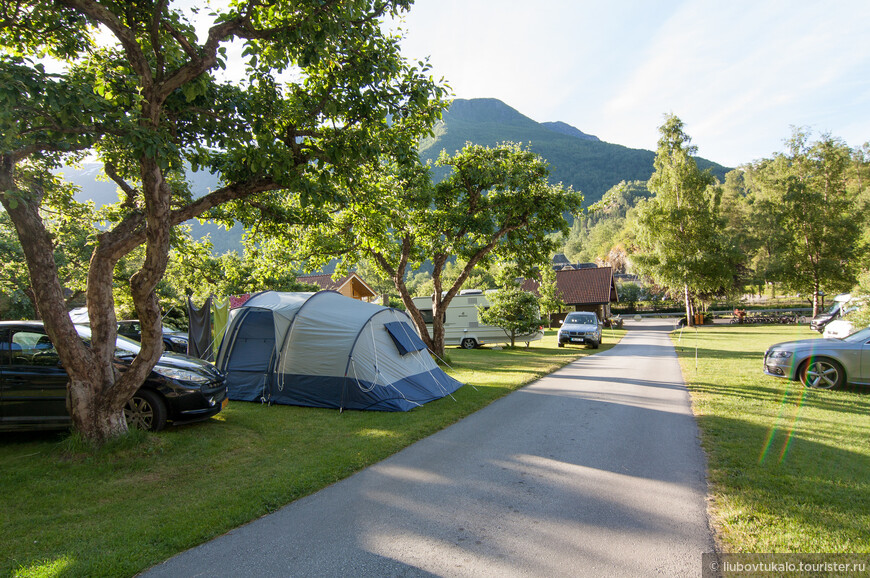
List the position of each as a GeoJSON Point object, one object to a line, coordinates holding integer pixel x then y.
{"type": "Point", "coordinates": [593, 286]}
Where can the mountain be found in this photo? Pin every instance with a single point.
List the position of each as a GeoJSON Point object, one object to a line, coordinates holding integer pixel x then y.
{"type": "Point", "coordinates": [567, 129]}
{"type": "Point", "coordinates": [97, 188]}
{"type": "Point", "coordinates": [576, 158]}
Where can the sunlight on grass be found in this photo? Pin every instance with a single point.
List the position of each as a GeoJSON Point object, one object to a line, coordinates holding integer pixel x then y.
{"type": "Point", "coordinates": [787, 465]}
{"type": "Point", "coordinates": [375, 433]}
{"type": "Point", "coordinates": [44, 570]}
{"type": "Point", "coordinates": [120, 510]}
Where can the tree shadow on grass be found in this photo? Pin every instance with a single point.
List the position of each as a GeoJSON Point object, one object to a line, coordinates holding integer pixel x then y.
{"type": "Point", "coordinates": [777, 489]}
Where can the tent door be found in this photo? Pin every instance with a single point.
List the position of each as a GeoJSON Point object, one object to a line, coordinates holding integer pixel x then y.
{"type": "Point", "coordinates": [249, 366]}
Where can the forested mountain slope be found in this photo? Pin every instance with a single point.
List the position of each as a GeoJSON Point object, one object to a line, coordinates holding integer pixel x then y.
{"type": "Point", "coordinates": [577, 159]}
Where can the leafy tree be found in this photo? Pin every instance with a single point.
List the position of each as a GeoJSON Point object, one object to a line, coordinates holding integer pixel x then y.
{"type": "Point", "coordinates": [551, 298]}
{"type": "Point", "coordinates": [71, 228]}
{"type": "Point", "coordinates": [860, 318]}
{"type": "Point", "coordinates": [630, 293]}
{"type": "Point", "coordinates": [193, 270]}
{"type": "Point", "coordinates": [16, 295]}
{"type": "Point", "coordinates": [682, 244]}
{"type": "Point", "coordinates": [814, 222]}
{"type": "Point", "coordinates": [516, 311]}
{"type": "Point", "coordinates": [136, 89]}
{"type": "Point", "coordinates": [494, 206]}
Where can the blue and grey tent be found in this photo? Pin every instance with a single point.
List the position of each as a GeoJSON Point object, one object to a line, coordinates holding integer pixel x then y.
{"type": "Point", "coordinates": [326, 350]}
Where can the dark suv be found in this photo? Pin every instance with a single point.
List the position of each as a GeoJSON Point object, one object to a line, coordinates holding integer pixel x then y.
{"type": "Point", "coordinates": [33, 383]}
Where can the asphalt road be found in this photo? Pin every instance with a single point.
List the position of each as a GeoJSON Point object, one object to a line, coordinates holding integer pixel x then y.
{"type": "Point", "coordinates": [594, 470]}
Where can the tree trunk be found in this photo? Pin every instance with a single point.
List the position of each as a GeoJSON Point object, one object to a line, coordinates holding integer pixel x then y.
{"type": "Point", "coordinates": [96, 420]}
{"type": "Point", "coordinates": [437, 332]}
{"type": "Point", "coordinates": [397, 275]}
{"type": "Point", "coordinates": [96, 393]}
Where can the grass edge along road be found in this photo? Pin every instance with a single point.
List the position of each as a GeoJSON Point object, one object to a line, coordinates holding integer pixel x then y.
{"type": "Point", "coordinates": [152, 496]}
{"type": "Point", "coordinates": [787, 466]}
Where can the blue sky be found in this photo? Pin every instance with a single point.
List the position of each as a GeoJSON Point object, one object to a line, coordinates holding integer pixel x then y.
{"type": "Point", "coordinates": [738, 73]}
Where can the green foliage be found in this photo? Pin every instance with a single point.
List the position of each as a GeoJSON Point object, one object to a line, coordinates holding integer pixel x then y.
{"type": "Point", "coordinates": [683, 245]}
{"type": "Point", "coordinates": [71, 226]}
{"type": "Point", "coordinates": [604, 234]}
{"type": "Point", "coordinates": [195, 271]}
{"type": "Point", "coordinates": [629, 294]}
{"type": "Point", "coordinates": [516, 311]}
{"type": "Point", "coordinates": [551, 298]}
{"type": "Point", "coordinates": [499, 196]}
{"type": "Point", "coordinates": [495, 206]}
{"type": "Point", "coordinates": [421, 283]}
{"type": "Point", "coordinates": [809, 221]}
{"type": "Point", "coordinates": [619, 200]}
{"type": "Point", "coordinates": [861, 316]}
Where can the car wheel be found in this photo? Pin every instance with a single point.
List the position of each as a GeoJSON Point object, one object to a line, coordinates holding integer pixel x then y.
{"type": "Point", "coordinates": [146, 410]}
{"type": "Point", "coordinates": [468, 343]}
{"type": "Point", "coordinates": [561, 344]}
{"type": "Point", "coordinates": [822, 373]}
{"type": "Point", "coordinates": [595, 344]}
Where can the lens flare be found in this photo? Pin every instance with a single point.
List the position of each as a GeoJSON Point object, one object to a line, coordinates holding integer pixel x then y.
{"type": "Point", "coordinates": [784, 408]}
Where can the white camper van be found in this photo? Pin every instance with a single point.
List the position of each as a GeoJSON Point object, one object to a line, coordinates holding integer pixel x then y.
{"type": "Point", "coordinates": [461, 326]}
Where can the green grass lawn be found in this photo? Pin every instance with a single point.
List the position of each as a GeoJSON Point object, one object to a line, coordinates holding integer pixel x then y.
{"type": "Point", "coordinates": [129, 507]}
{"type": "Point", "coordinates": [789, 467]}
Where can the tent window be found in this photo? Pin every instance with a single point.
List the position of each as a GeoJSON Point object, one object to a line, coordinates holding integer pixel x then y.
{"type": "Point", "coordinates": [404, 336]}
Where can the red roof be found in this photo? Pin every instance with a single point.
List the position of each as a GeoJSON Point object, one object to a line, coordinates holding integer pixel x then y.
{"type": "Point", "coordinates": [592, 286]}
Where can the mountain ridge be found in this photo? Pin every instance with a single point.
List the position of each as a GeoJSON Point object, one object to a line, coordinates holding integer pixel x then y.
{"type": "Point", "coordinates": [582, 161]}
{"type": "Point", "coordinates": [565, 128]}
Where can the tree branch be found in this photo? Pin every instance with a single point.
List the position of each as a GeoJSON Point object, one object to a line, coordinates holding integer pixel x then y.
{"type": "Point", "coordinates": [129, 192]}
{"type": "Point", "coordinates": [125, 36]}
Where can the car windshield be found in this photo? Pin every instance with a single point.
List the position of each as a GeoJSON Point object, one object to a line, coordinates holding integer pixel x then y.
{"type": "Point", "coordinates": [586, 318]}
{"type": "Point", "coordinates": [858, 336]}
{"type": "Point", "coordinates": [123, 345]}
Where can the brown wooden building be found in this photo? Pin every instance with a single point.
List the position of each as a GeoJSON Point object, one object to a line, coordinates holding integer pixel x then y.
{"type": "Point", "coordinates": [351, 285]}
{"type": "Point", "coordinates": [588, 289]}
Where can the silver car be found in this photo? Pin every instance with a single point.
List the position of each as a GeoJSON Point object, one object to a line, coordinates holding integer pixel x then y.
{"type": "Point", "coordinates": [822, 363]}
{"type": "Point", "coordinates": [581, 327]}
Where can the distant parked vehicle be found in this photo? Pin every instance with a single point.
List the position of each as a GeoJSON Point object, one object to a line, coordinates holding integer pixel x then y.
{"type": "Point", "coordinates": [581, 328]}
{"type": "Point", "coordinates": [461, 326]}
{"type": "Point", "coordinates": [33, 383]}
{"type": "Point", "coordinates": [835, 311]}
{"type": "Point", "coordinates": [173, 340]}
{"type": "Point", "coordinates": [838, 328]}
